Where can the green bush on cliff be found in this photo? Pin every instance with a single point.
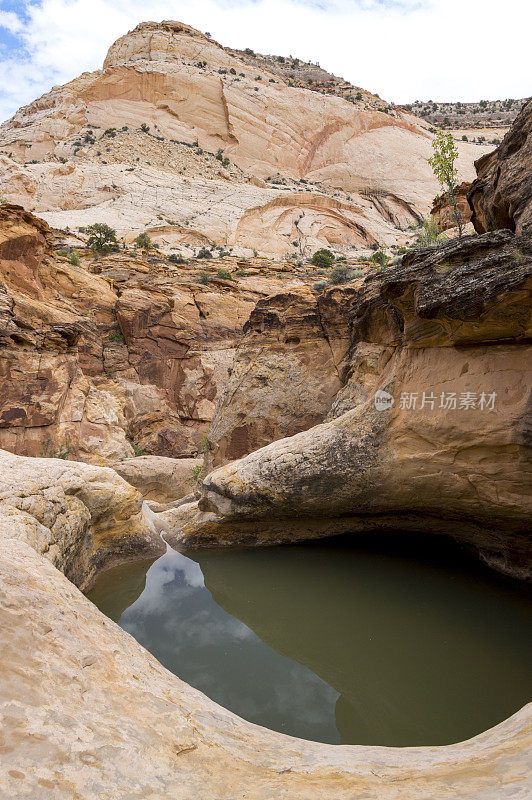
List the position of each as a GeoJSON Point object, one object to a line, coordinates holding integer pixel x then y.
{"type": "Point", "coordinates": [143, 241]}
{"type": "Point", "coordinates": [102, 238]}
{"type": "Point", "coordinates": [322, 258]}
{"type": "Point", "coordinates": [428, 235]}
{"type": "Point", "coordinates": [379, 259]}
{"type": "Point", "coordinates": [341, 273]}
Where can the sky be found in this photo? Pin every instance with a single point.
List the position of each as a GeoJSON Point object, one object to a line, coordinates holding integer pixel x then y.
{"type": "Point", "coordinates": [403, 50]}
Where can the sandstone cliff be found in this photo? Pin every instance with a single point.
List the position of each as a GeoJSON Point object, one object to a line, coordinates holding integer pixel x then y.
{"type": "Point", "coordinates": [501, 196]}
{"type": "Point", "coordinates": [195, 143]}
{"type": "Point", "coordinates": [133, 358]}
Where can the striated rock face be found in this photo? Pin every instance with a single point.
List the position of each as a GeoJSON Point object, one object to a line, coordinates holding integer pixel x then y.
{"type": "Point", "coordinates": [286, 372]}
{"type": "Point", "coordinates": [501, 196]}
{"type": "Point", "coordinates": [448, 330]}
{"type": "Point", "coordinates": [87, 712]}
{"type": "Point", "coordinates": [302, 166]}
{"type": "Point", "coordinates": [91, 364]}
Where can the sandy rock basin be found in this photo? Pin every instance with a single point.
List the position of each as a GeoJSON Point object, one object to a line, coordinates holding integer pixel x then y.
{"type": "Point", "coordinates": [89, 713]}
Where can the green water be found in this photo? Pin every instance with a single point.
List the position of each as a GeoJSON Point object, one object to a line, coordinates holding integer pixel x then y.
{"type": "Point", "coordinates": [383, 640]}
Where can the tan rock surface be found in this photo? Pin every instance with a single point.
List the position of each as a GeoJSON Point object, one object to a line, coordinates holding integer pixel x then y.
{"type": "Point", "coordinates": [86, 712]}
{"type": "Point", "coordinates": [286, 373]}
{"type": "Point", "coordinates": [158, 478]}
{"type": "Point", "coordinates": [342, 172]}
{"type": "Point", "coordinates": [80, 517]}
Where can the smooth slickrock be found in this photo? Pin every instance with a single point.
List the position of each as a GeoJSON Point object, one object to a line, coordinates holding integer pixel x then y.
{"type": "Point", "coordinates": [501, 196]}
{"type": "Point", "coordinates": [305, 169]}
{"type": "Point", "coordinates": [455, 319]}
{"type": "Point", "coordinates": [88, 713]}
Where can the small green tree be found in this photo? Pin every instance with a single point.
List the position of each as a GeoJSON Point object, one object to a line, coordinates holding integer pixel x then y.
{"type": "Point", "coordinates": [443, 166]}
{"type": "Point", "coordinates": [322, 258]}
{"type": "Point", "coordinates": [102, 238]}
{"type": "Point", "coordinates": [74, 259]}
{"type": "Point", "coordinates": [143, 241]}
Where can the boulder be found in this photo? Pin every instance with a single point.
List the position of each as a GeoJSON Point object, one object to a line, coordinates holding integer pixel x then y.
{"type": "Point", "coordinates": [160, 479]}
{"type": "Point", "coordinates": [82, 518]}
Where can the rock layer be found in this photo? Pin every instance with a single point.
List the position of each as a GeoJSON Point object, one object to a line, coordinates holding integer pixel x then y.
{"type": "Point", "coordinates": [98, 366]}
{"type": "Point", "coordinates": [285, 374]}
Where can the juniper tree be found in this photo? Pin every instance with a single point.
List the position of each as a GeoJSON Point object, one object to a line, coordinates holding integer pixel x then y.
{"type": "Point", "coordinates": [443, 166]}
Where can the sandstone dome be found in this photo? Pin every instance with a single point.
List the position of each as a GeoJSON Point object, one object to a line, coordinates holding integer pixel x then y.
{"type": "Point", "coordinates": [197, 143]}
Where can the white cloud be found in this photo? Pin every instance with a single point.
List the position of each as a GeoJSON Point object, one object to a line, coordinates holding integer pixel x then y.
{"type": "Point", "coordinates": [10, 21]}
{"type": "Point", "coordinates": [402, 49]}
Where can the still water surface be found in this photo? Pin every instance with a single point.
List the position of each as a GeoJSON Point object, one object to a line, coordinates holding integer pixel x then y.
{"type": "Point", "coordinates": [381, 643]}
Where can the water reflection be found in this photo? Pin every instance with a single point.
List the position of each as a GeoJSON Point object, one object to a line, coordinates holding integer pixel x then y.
{"type": "Point", "coordinates": [335, 643]}
{"type": "Point", "coordinates": [178, 621]}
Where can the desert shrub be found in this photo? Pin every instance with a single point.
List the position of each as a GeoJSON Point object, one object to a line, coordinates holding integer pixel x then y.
{"type": "Point", "coordinates": [48, 450]}
{"type": "Point", "coordinates": [145, 128]}
{"type": "Point", "coordinates": [358, 96]}
{"type": "Point", "coordinates": [196, 471]}
{"type": "Point", "coordinates": [379, 258]}
{"type": "Point", "coordinates": [223, 273]}
{"type": "Point", "coordinates": [204, 253]}
{"type": "Point", "coordinates": [319, 286]}
{"type": "Point", "coordinates": [340, 274]}
{"type": "Point", "coordinates": [232, 71]}
{"type": "Point", "coordinates": [117, 337]}
{"type": "Point", "coordinates": [428, 234]}
{"type": "Point", "coordinates": [322, 258]}
{"type": "Point", "coordinates": [74, 259]}
{"type": "Point", "coordinates": [203, 277]}
{"type": "Point", "coordinates": [176, 259]}
{"type": "Point", "coordinates": [143, 241]}
{"type": "Point", "coordinates": [138, 451]}
{"type": "Point", "coordinates": [102, 238]}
